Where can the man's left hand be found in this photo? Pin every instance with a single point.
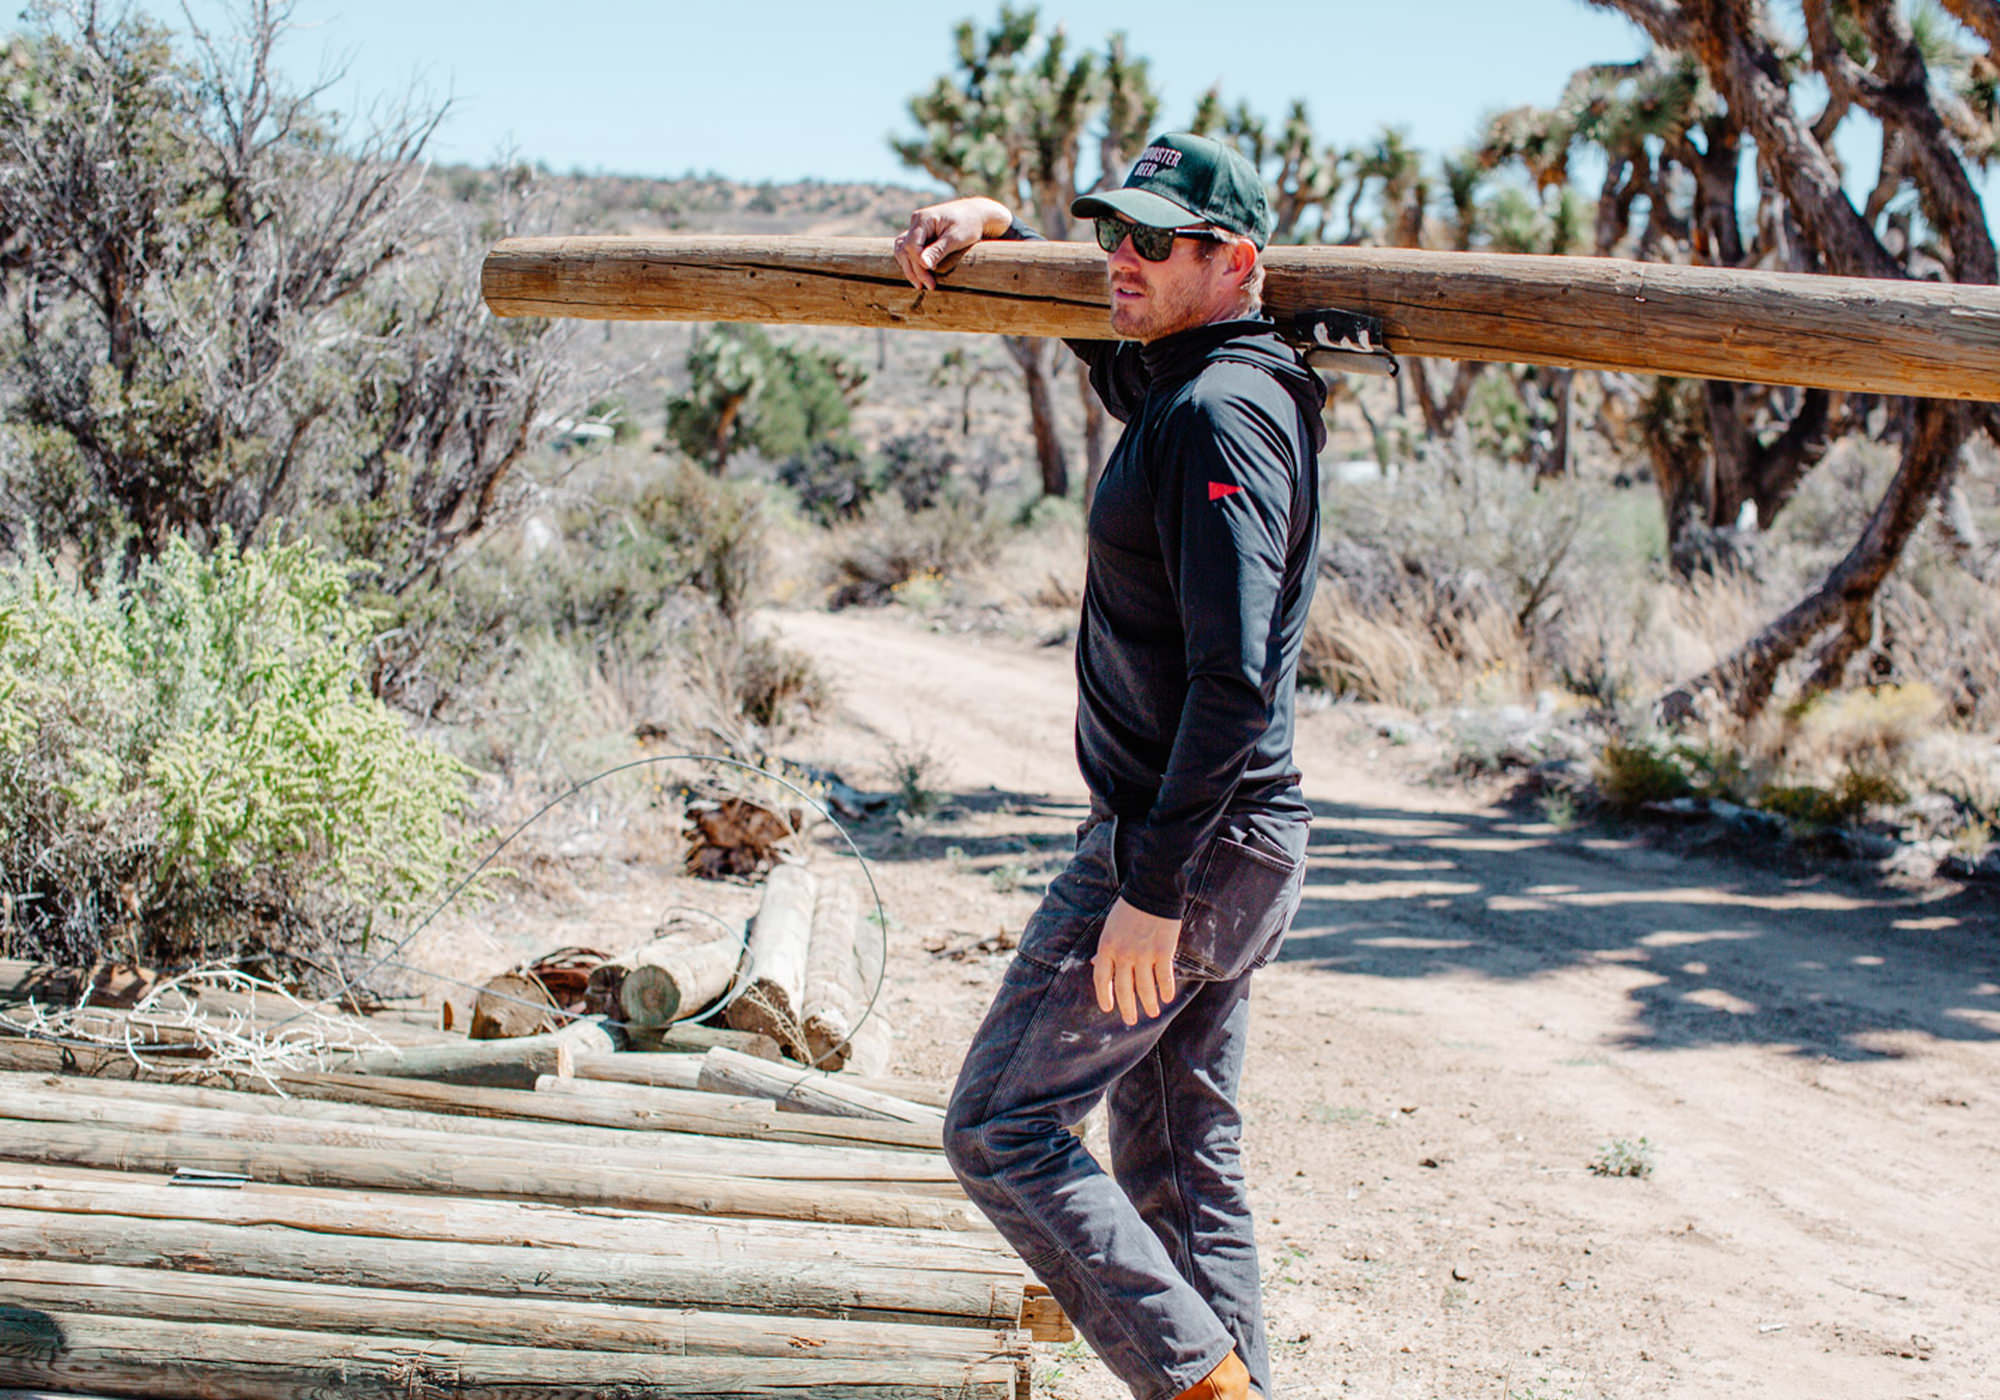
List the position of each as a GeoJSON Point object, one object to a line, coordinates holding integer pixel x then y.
{"type": "Point", "coordinates": [1134, 966]}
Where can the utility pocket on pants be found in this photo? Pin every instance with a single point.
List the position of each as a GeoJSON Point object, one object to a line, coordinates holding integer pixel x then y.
{"type": "Point", "coordinates": [1240, 902]}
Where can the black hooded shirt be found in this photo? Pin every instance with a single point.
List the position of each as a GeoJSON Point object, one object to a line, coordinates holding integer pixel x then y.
{"type": "Point", "coordinates": [1204, 534]}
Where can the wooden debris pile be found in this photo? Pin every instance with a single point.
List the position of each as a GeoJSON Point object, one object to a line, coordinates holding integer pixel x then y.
{"type": "Point", "coordinates": [602, 1228]}
{"type": "Point", "coordinates": [800, 977]}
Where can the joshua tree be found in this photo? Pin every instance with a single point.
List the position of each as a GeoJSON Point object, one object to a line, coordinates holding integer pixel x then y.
{"type": "Point", "coordinates": [1010, 122]}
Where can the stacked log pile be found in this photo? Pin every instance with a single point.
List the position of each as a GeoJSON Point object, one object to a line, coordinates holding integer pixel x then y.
{"type": "Point", "coordinates": [197, 1200]}
{"type": "Point", "coordinates": [304, 1233]}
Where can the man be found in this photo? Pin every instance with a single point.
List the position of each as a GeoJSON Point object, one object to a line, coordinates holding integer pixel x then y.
{"type": "Point", "coordinates": [1132, 978]}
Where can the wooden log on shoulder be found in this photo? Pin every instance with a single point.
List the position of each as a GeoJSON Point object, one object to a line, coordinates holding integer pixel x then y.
{"type": "Point", "coordinates": [103, 1289]}
{"type": "Point", "coordinates": [688, 1153]}
{"type": "Point", "coordinates": [944, 1295]}
{"type": "Point", "coordinates": [682, 1071]}
{"type": "Point", "coordinates": [145, 1357]}
{"type": "Point", "coordinates": [1861, 335]}
{"type": "Point", "coordinates": [780, 937]}
{"type": "Point", "coordinates": [807, 1090]}
{"type": "Point", "coordinates": [678, 976]}
{"type": "Point", "coordinates": [456, 1173]}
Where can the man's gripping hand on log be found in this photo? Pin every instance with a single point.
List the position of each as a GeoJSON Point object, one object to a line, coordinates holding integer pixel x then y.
{"type": "Point", "coordinates": [938, 233]}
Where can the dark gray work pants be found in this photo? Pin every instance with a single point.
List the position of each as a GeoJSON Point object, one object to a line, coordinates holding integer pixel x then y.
{"type": "Point", "coordinates": [1157, 1262]}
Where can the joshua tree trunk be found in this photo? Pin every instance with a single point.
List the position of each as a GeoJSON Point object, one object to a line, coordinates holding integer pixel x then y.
{"type": "Point", "coordinates": [1031, 354]}
{"type": "Point", "coordinates": [1094, 451]}
{"type": "Point", "coordinates": [1845, 601]}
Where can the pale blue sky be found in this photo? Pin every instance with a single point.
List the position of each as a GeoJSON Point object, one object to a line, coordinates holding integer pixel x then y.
{"type": "Point", "coordinates": [783, 88]}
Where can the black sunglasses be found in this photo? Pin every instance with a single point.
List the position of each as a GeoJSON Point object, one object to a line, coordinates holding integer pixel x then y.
{"type": "Point", "coordinates": [1152, 244]}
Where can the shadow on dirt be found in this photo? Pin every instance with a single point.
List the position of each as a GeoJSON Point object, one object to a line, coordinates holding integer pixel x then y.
{"type": "Point", "coordinates": [1739, 949]}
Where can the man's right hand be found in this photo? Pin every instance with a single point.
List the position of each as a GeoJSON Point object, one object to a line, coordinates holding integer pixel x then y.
{"type": "Point", "coordinates": [939, 232]}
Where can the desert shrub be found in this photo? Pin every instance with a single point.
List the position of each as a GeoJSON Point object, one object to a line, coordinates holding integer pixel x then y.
{"type": "Point", "coordinates": [1631, 773]}
{"type": "Point", "coordinates": [1845, 802]}
{"type": "Point", "coordinates": [836, 479]}
{"type": "Point", "coordinates": [191, 763]}
{"type": "Point", "coordinates": [891, 546]}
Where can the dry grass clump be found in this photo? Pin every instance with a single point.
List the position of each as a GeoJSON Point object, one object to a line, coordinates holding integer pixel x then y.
{"type": "Point", "coordinates": [891, 547]}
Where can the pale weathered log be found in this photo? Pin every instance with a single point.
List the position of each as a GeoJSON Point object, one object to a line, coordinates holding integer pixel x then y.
{"type": "Point", "coordinates": [939, 1296]}
{"type": "Point", "coordinates": [464, 1317]}
{"type": "Point", "coordinates": [513, 1063]}
{"type": "Point", "coordinates": [639, 1109]}
{"type": "Point", "coordinates": [807, 1090]}
{"type": "Point", "coordinates": [870, 1051]}
{"type": "Point", "coordinates": [1856, 334]}
{"type": "Point", "coordinates": [833, 998]}
{"type": "Point", "coordinates": [780, 938]}
{"type": "Point", "coordinates": [677, 976]}
{"type": "Point", "coordinates": [694, 1155]}
{"type": "Point", "coordinates": [464, 1174]}
{"type": "Point", "coordinates": [462, 1220]}
{"type": "Point", "coordinates": [669, 1070]}
{"type": "Point", "coordinates": [146, 1357]}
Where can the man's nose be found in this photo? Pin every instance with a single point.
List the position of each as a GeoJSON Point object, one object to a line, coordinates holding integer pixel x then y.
{"type": "Point", "coordinates": [1124, 255]}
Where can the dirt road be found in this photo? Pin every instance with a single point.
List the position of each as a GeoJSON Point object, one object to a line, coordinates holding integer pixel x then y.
{"type": "Point", "coordinates": [1473, 1007]}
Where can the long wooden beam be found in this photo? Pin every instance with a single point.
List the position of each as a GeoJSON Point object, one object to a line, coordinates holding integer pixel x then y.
{"type": "Point", "coordinates": [1861, 335]}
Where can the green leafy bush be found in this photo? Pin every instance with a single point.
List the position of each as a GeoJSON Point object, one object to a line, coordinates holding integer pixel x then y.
{"type": "Point", "coordinates": [191, 767]}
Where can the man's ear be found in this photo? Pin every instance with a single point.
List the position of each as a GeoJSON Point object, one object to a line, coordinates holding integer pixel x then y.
{"type": "Point", "coordinates": [1242, 259]}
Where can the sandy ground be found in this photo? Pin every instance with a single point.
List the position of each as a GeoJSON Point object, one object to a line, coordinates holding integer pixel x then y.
{"type": "Point", "coordinates": [1473, 1006]}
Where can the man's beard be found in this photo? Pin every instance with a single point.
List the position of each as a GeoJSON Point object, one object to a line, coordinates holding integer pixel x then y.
{"type": "Point", "coordinates": [1162, 311]}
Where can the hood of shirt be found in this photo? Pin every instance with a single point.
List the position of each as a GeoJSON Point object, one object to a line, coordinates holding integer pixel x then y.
{"type": "Point", "coordinates": [1255, 342]}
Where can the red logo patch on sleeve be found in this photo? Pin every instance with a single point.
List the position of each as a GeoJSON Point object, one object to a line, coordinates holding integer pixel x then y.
{"type": "Point", "coordinates": [1218, 489]}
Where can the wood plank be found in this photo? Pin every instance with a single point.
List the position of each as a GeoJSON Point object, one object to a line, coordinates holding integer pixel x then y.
{"type": "Point", "coordinates": [1858, 334]}
{"type": "Point", "coordinates": [464, 1174]}
{"type": "Point", "coordinates": [145, 1357]}
{"type": "Point", "coordinates": [571, 1326]}
{"type": "Point", "coordinates": [829, 1286]}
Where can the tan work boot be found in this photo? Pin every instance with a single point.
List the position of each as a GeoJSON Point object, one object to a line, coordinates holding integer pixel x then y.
{"type": "Point", "coordinates": [1230, 1380]}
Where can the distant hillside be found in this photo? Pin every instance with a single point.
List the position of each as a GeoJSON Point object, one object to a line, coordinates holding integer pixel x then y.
{"type": "Point", "coordinates": [698, 203]}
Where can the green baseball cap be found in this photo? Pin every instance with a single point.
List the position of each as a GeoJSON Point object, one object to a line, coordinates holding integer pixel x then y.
{"type": "Point", "coordinates": [1181, 178]}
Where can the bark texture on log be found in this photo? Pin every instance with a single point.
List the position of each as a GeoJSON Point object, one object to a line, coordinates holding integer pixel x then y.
{"type": "Point", "coordinates": [942, 1296]}
{"type": "Point", "coordinates": [807, 1090]}
{"type": "Point", "coordinates": [1862, 334]}
{"type": "Point", "coordinates": [462, 1220]}
{"type": "Point", "coordinates": [687, 1154]}
{"type": "Point", "coordinates": [637, 1068]}
{"type": "Point", "coordinates": [678, 976]}
{"type": "Point", "coordinates": [69, 1351]}
{"type": "Point", "coordinates": [456, 1174]}
{"type": "Point", "coordinates": [834, 998]}
{"type": "Point", "coordinates": [780, 939]}
{"type": "Point", "coordinates": [465, 1317]}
